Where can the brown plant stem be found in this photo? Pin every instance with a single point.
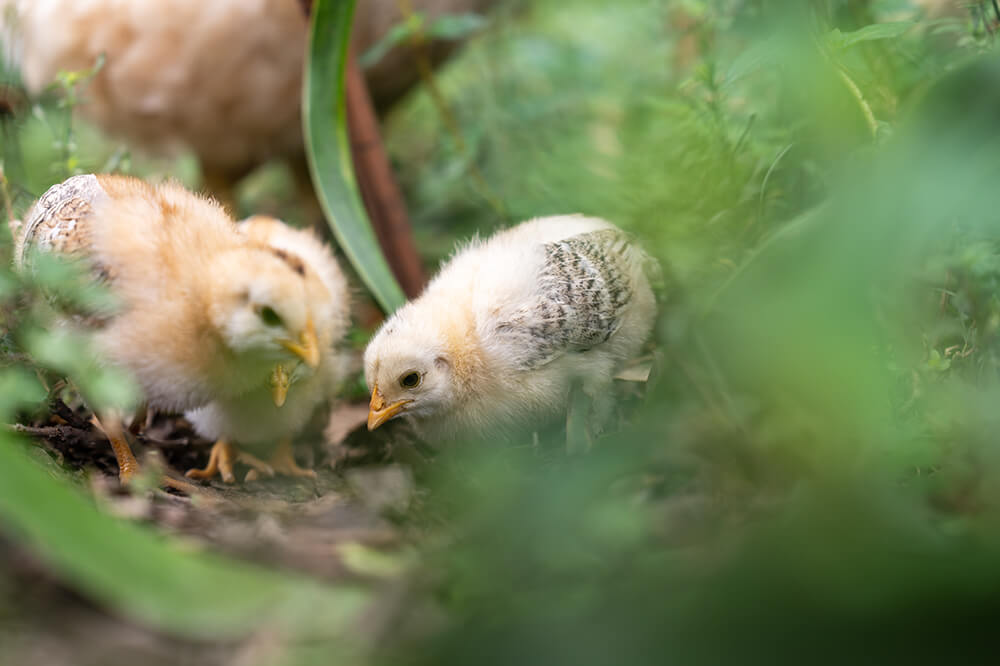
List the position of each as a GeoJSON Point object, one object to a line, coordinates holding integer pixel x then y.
{"type": "Point", "coordinates": [379, 190]}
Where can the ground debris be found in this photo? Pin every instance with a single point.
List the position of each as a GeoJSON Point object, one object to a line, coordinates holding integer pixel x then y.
{"type": "Point", "coordinates": [337, 527]}
{"type": "Point", "coordinates": [298, 524]}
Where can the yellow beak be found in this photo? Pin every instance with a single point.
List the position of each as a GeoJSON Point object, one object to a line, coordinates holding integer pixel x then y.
{"type": "Point", "coordinates": [379, 412]}
{"type": "Point", "coordinates": [279, 382]}
{"type": "Point", "coordinates": [307, 348]}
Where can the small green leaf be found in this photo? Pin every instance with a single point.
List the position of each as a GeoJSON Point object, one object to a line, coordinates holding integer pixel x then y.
{"type": "Point", "coordinates": [18, 388]}
{"type": "Point", "coordinates": [752, 59]}
{"type": "Point", "coordinates": [396, 35]}
{"type": "Point", "coordinates": [456, 26]}
{"type": "Point", "coordinates": [329, 151]}
{"type": "Point", "coordinates": [371, 562]}
{"type": "Point", "coordinates": [73, 355]}
{"type": "Point", "coordinates": [937, 362]}
{"type": "Point", "coordinates": [70, 284]}
{"type": "Point", "coordinates": [838, 40]}
{"type": "Point", "coordinates": [451, 27]}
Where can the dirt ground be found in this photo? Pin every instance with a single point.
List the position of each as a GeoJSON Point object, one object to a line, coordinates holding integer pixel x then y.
{"type": "Point", "coordinates": [314, 526]}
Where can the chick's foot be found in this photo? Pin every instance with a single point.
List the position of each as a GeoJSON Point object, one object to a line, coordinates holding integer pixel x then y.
{"type": "Point", "coordinates": [283, 462]}
{"type": "Point", "coordinates": [221, 460]}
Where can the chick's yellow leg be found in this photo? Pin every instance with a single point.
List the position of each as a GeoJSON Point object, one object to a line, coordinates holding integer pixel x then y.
{"type": "Point", "coordinates": [111, 424]}
{"type": "Point", "coordinates": [113, 427]}
{"type": "Point", "coordinates": [221, 460]}
{"type": "Point", "coordinates": [283, 462]}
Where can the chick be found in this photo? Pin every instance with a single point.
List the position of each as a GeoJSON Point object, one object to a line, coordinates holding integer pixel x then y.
{"type": "Point", "coordinates": [204, 313]}
{"type": "Point", "coordinates": [261, 420]}
{"type": "Point", "coordinates": [509, 326]}
{"type": "Point", "coordinates": [222, 78]}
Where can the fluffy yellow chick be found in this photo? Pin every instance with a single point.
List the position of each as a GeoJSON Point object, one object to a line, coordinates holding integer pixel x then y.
{"type": "Point", "coordinates": [204, 312]}
{"type": "Point", "coordinates": [509, 326]}
{"type": "Point", "coordinates": [261, 420]}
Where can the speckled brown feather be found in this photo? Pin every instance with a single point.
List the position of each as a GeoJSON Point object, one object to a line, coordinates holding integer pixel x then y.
{"type": "Point", "coordinates": [60, 222]}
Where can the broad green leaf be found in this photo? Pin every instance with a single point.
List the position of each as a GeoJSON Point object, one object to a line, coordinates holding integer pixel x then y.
{"type": "Point", "coordinates": [156, 580]}
{"type": "Point", "coordinates": [329, 151]}
{"type": "Point", "coordinates": [843, 40]}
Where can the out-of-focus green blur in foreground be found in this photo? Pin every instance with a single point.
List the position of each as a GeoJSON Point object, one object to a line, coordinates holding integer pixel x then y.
{"type": "Point", "coordinates": [814, 474]}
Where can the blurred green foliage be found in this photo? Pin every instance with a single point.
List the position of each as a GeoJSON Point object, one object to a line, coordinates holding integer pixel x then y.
{"type": "Point", "coordinates": [814, 473]}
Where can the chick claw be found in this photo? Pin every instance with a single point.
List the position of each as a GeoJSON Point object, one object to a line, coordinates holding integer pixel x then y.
{"type": "Point", "coordinates": [221, 460]}
{"type": "Point", "coordinates": [283, 462]}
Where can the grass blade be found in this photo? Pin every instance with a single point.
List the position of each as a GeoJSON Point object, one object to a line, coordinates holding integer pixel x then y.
{"type": "Point", "coordinates": [329, 152]}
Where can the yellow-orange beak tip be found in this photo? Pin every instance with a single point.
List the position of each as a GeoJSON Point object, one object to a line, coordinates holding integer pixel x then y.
{"type": "Point", "coordinates": [379, 412]}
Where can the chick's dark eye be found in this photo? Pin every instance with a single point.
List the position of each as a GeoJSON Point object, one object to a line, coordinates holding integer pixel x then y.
{"type": "Point", "coordinates": [410, 380]}
{"type": "Point", "coordinates": [269, 316]}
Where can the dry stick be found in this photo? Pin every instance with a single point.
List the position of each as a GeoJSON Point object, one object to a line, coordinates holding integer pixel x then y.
{"type": "Point", "coordinates": [52, 431]}
{"type": "Point", "coordinates": [379, 191]}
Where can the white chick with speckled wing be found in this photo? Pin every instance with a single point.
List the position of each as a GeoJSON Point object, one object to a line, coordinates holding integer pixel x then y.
{"type": "Point", "coordinates": [263, 422]}
{"type": "Point", "coordinates": [205, 313]}
{"type": "Point", "coordinates": [508, 327]}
